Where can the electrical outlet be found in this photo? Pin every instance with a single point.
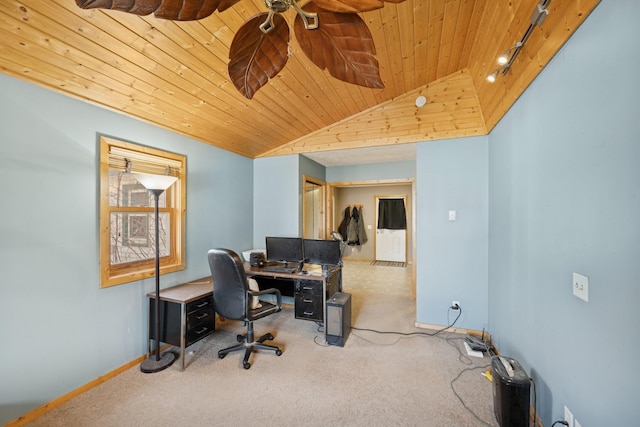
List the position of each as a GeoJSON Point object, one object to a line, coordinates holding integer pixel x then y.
{"type": "Point", "coordinates": [455, 303]}
{"type": "Point", "coordinates": [568, 417]}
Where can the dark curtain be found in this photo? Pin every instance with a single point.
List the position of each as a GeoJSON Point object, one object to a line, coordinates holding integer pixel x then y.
{"type": "Point", "coordinates": [392, 214]}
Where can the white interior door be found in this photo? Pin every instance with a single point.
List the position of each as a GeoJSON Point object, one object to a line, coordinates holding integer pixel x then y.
{"type": "Point", "coordinates": [391, 245]}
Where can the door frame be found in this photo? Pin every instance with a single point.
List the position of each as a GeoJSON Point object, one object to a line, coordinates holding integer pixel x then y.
{"type": "Point", "coordinates": [376, 200]}
{"type": "Point", "coordinates": [323, 208]}
{"type": "Point", "coordinates": [331, 214]}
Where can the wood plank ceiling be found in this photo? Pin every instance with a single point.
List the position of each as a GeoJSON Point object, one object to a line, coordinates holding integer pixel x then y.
{"type": "Point", "coordinates": [174, 74]}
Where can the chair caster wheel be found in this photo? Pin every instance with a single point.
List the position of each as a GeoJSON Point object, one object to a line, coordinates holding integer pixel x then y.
{"type": "Point", "coordinates": [269, 337]}
{"type": "Point", "coordinates": [246, 365]}
{"type": "Point", "coordinates": [278, 352]}
{"type": "Point", "coordinates": [239, 338]}
{"type": "Point", "coordinates": [221, 356]}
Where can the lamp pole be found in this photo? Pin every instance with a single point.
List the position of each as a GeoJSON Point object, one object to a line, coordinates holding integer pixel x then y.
{"type": "Point", "coordinates": [156, 185]}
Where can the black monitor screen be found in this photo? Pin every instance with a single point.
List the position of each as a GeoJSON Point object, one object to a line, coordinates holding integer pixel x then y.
{"type": "Point", "coordinates": [284, 249]}
{"type": "Point", "coordinates": [325, 252]}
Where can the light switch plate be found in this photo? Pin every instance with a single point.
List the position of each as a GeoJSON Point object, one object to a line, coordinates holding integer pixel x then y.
{"type": "Point", "coordinates": [452, 215]}
{"type": "Point", "coordinates": [581, 286]}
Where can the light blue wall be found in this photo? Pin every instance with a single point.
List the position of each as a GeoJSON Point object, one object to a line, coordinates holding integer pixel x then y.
{"type": "Point", "coordinates": [452, 256]}
{"type": "Point", "coordinates": [373, 171]}
{"type": "Point", "coordinates": [59, 328]}
{"type": "Point", "coordinates": [276, 198]}
{"type": "Point", "coordinates": [311, 168]}
{"type": "Point", "coordinates": [564, 187]}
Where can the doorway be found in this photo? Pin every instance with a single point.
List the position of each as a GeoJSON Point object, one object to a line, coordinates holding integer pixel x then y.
{"type": "Point", "coordinates": [313, 209]}
{"type": "Point", "coordinates": [391, 228]}
{"type": "Point", "coordinates": [362, 193]}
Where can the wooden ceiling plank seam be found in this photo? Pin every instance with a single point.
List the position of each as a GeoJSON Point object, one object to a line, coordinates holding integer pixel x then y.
{"type": "Point", "coordinates": [198, 82]}
{"type": "Point", "coordinates": [99, 38]}
{"type": "Point", "coordinates": [435, 133]}
{"type": "Point", "coordinates": [451, 94]}
{"type": "Point", "coordinates": [471, 35]}
{"type": "Point", "coordinates": [309, 117]}
{"type": "Point", "coordinates": [420, 36]}
{"type": "Point", "coordinates": [77, 60]}
{"type": "Point", "coordinates": [196, 69]}
{"type": "Point", "coordinates": [327, 99]}
{"type": "Point", "coordinates": [318, 86]}
{"type": "Point", "coordinates": [57, 79]}
{"type": "Point", "coordinates": [383, 53]}
{"type": "Point", "coordinates": [390, 28]}
{"type": "Point", "coordinates": [177, 34]}
{"type": "Point", "coordinates": [407, 45]}
{"type": "Point", "coordinates": [447, 36]}
{"type": "Point", "coordinates": [436, 15]}
{"type": "Point", "coordinates": [463, 20]}
{"type": "Point", "coordinates": [379, 107]}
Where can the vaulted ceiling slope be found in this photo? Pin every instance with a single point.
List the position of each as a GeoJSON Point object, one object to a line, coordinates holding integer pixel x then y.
{"type": "Point", "coordinates": [174, 74]}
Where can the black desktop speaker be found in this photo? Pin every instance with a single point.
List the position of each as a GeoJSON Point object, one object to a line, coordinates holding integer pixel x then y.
{"type": "Point", "coordinates": [510, 392]}
{"type": "Point", "coordinates": [338, 322]}
{"type": "Point", "coordinates": [257, 259]}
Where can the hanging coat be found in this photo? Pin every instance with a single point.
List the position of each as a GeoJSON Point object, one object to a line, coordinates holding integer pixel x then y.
{"type": "Point", "coordinates": [352, 228]}
{"type": "Point", "coordinates": [342, 229]}
{"type": "Point", "coordinates": [362, 234]}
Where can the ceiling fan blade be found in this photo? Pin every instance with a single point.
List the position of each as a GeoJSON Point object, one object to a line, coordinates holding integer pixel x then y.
{"type": "Point", "coordinates": [343, 45]}
{"type": "Point", "coordinates": [349, 6]}
{"type": "Point", "coordinates": [176, 10]}
{"type": "Point", "coordinates": [226, 4]}
{"type": "Point", "coordinates": [255, 56]}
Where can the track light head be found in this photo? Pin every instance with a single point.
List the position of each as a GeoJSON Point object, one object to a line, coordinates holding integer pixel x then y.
{"type": "Point", "coordinates": [492, 77]}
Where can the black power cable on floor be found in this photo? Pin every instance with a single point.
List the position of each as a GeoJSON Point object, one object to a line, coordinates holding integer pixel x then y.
{"type": "Point", "coordinates": [415, 333]}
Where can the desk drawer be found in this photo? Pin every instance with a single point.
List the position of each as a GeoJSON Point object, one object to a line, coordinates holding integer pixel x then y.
{"type": "Point", "coordinates": [308, 287]}
{"type": "Point", "coordinates": [198, 332]}
{"type": "Point", "coordinates": [200, 304]}
{"type": "Point", "coordinates": [204, 315]}
{"type": "Point", "coordinates": [308, 307]}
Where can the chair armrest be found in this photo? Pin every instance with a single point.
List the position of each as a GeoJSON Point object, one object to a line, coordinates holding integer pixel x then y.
{"type": "Point", "coordinates": [269, 291]}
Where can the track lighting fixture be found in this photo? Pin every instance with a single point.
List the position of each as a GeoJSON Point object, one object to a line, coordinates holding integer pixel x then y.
{"type": "Point", "coordinates": [506, 58]}
{"type": "Point", "coordinates": [506, 55]}
{"type": "Point", "coordinates": [493, 76]}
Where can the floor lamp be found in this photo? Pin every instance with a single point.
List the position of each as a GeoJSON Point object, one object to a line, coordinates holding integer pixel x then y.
{"type": "Point", "coordinates": [156, 185]}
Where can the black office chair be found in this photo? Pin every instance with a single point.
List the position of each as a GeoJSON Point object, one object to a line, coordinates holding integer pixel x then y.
{"type": "Point", "coordinates": [231, 299]}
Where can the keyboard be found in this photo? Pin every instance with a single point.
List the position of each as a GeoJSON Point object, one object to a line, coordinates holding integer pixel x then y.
{"type": "Point", "coordinates": [278, 269]}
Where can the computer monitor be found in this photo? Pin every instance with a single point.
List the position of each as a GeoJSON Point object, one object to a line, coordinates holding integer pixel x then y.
{"type": "Point", "coordinates": [284, 249]}
{"type": "Point", "coordinates": [324, 252]}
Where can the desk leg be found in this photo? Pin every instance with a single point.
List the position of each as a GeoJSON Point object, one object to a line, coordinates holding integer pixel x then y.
{"type": "Point", "coordinates": [324, 308]}
{"type": "Point", "coordinates": [183, 332]}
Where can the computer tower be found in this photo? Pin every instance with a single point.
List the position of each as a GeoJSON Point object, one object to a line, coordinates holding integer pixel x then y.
{"type": "Point", "coordinates": [511, 392]}
{"type": "Point", "coordinates": [338, 322]}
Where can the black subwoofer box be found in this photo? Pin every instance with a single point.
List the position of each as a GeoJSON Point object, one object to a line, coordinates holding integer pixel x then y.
{"type": "Point", "coordinates": [338, 322]}
{"type": "Point", "coordinates": [511, 392]}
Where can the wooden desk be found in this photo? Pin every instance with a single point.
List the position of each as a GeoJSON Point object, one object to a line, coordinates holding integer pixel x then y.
{"type": "Point", "coordinates": [186, 314]}
{"type": "Point", "coordinates": [310, 291]}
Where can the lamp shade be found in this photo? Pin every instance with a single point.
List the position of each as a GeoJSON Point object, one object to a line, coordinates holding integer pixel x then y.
{"type": "Point", "coordinates": [155, 182]}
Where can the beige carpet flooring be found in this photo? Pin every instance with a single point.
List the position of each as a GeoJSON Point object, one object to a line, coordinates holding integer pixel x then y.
{"type": "Point", "coordinates": [374, 380]}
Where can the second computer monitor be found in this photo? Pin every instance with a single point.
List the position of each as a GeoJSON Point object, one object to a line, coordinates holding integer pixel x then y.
{"type": "Point", "coordinates": [324, 252]}
{"type": "Point", "coordinates": [284, 249]}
